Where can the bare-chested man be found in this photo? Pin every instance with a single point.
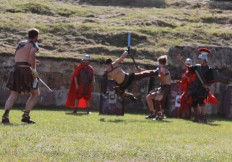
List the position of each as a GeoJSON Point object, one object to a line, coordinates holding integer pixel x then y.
{"type": "Point", "coordinates": [159, 94]}
{"type": "Point", "coordinates": [123, 79]}
{"type": "Point", "coordinates": [23, 76]}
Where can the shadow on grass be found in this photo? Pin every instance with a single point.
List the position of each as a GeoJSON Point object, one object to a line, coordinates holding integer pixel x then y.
{"type": "Point", "coordinates": [133, 120]}
{"type": "Point", "coordinates": [15, 124]}
{"type": "Point", "coordinates": [112, 121]}
{"type": "Point", "coordinates": [77, 114]}
{"type": "Point", "coordinates": [211, 120]}
{"type": "Point", "coordinates": [210, 123]}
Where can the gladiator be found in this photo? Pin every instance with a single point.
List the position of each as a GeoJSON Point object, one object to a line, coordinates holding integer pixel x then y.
{"type": "Point", "coordinates": [200, 90]}
{"type": "Point", "coordinates": [187, 80]}
{"type": "Point", "coordinates": [123, 79]}
{"type": "Point", "coordinates": [81, 84]}
{"type": "Point", "coordinates": [161, 93]}
{"type": "Point", "coordinates": [23, 77]}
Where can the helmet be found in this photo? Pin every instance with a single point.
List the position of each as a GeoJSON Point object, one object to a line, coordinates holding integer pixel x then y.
{"type": "Point", "coordinates": [203, 56]}
{"type": "Point", "coordinates": [86, 57]}
{"type": "Point", "coordinates": [204, 52]}
{"type": "Point", "coordinates": [188, 61]}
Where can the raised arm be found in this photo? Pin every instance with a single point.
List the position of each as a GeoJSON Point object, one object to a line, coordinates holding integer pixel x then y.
{"type": "Point", "coordinates": [121, 58]}
{"type": "Point", "coordinates": [180, 58]}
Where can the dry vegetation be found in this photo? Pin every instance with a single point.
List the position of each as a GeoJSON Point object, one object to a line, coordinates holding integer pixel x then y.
{"type": "Point", "coordinates": [70, 28]}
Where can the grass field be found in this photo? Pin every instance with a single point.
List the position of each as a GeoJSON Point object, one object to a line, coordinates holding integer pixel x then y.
{"type": "Point", "coordinates": [62, 136]}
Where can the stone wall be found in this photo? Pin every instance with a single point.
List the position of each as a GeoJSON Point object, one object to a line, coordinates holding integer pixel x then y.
{"type": "Point", "coordinates": [57, 72]}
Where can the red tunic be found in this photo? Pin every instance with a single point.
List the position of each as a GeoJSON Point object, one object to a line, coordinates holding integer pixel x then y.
{"type": "Point", "coordinates": [186, 81]}
{"type": "Point", "coordinates": [84, 75]}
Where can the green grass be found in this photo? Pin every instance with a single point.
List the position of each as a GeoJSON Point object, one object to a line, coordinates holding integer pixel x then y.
{"type": "Point", "coordinates": [60, 136]}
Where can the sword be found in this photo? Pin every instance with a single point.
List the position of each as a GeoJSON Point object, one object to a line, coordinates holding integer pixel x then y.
{"type": "Point", "coordinates": [199, 77]}
{"type": "Point", "coordinates": [128, 45]}
{"type": "Point", "coordinates": [38, 78]}
{"type": "Point", "coordinates": [202, 82]}
{"type": "Point", "coordinates": [44, 84]}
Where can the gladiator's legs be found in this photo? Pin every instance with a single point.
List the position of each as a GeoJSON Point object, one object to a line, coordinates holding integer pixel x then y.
{"type": "Point", "coordinates": [196, 113]}
{"type": "Point", "coordinates": [88, 106]}
{"type": "Point", "coordinates": [150, 104]}
{"type": "Point", "coordinates": [75, 109]}
{"type": "Point", "coordinates": [124, 94]}
{"type": "Point", "coordinates": [8, 106]}
{"type": "Point", "coordinates": [203, 113]}
{"type": "Point", "coordinates": [11, 100]}
{"type": "Point", "coordinates": [29, 105]}
{"type": "Point", "coordinates": [33, 99]}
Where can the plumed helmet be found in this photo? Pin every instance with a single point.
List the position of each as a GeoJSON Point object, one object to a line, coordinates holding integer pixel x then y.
{"type": "Point", "coordinates": [203, 56]}
{"type": "Point", "coordinates": [86, 57]}
{"type": "Point", "coordinates": [204, 52]}
{"type": "Point", "coordinates": [188, 61]}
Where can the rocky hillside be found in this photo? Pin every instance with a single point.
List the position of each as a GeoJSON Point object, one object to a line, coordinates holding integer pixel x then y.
{"type": "Point", "coordinates": [99, 27]}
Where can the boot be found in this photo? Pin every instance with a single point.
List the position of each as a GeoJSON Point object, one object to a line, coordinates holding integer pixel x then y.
{"type": "Point", "coordinates": [196, 119]}
{"type": "Point", "coordinates": [26, 118]}
{"type": "Point", "coordinates": [204, 119]}
{"type": "Point", "coordinates": [151, 116]}
{"type": "Point", "coordinates": [5, 120]}
{"type": "Point", "coordinates": [160, 116]}
{"type": "Point", "coordinates": [5, 117]}
{"type": "Point", "coordinates": [87, 111]}
{"type": "Point", "coordinates": [74, 111]}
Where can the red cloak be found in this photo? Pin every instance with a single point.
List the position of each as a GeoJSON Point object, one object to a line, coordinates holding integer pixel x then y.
{"type": "Point", "coordinates": [85, 85]}
{"type": "Point", "coordinates": [186, 81]}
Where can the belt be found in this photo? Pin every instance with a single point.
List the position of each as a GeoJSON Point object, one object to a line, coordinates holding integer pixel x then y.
{"type": "Point", "coordinates": [22, 63]}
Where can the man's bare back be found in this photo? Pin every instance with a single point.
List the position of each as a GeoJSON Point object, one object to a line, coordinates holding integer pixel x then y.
{"type": "Point", "coordinates": [26, 53]}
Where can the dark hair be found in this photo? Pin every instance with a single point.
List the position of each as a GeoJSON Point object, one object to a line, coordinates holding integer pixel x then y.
{"type": "Point", "coordinates": [108, 61]}
{"type": "Point", "coordinates": [32, 33]}
{"type": "Point", "coordinates": [162, 60]}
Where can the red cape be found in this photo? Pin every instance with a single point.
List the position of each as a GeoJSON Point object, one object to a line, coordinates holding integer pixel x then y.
{"type": "Point", "coordinates": [186, 79]}
{"type": "Point", "coordinates": [74, 94]}
{"type": "Point", "coordinates": [212, 99]}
